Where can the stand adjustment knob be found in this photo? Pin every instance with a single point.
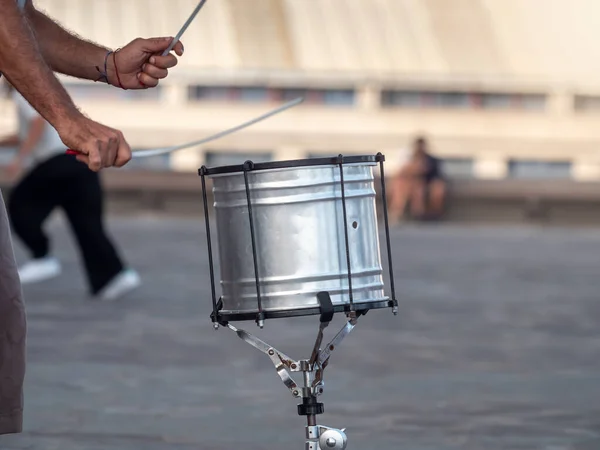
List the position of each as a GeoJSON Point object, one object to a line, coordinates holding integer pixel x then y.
{"type": "Point", "coordinates": [333, 439]}
{"type": "Point", "coordinates": [310, 407]}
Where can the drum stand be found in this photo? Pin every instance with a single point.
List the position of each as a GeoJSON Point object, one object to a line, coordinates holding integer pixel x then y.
{"type": "Point", "coordinates": [318, 437]}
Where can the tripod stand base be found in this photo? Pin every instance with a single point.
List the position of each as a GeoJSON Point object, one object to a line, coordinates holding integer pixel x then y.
{"type": "Point", "coordinates": [318, 437]}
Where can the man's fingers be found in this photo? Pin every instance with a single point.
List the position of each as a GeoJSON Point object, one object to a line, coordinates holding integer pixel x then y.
{"type": "Point", "coordinates": [158, 45]}
{"type": "Point", "coordinates": [178, 48]}
{"type": "Point", "coordinates": [111, 150]}
{"type": "Point", "coordinates": [164, 62]}
{"type": "Point", "coordinates": [147, 80]}
{"type": "Point", "coordinates": [154, 71]}
{"type": "Point", "coordinates": [102, 146]}
{"type": "Point", "coordinates": [99, 146]}
{"type": "Point", "coordinates": [94, 159]}
{"type": "Point", "coordinates": [123, 152]}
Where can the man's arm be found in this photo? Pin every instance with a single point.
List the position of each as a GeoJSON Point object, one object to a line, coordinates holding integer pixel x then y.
{"type": "Point", "coordinates": [23, 65]}
{"type": "Point", "coordinates": [140, 63]}
{"type": "Point", "coordinates": [26, 69]}
{"type": "Point", "coordinates": [64, 52]}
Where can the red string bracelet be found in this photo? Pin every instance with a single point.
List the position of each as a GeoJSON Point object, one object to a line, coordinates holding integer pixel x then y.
{"type": "Point", "coordinates": [114, 55]}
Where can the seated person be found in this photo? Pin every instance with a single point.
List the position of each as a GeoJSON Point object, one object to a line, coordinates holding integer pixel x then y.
{"type": "Point", "coordinates": [419, 184]}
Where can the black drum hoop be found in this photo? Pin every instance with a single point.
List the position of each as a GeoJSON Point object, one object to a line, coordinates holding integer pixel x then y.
{"type": "Point", "coordinates": [223, 317]}
{"type": "Point", "coordinates": [308, 162]}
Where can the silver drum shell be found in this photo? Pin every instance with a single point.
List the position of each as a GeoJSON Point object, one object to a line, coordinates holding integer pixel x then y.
{"type": "Point", "coordinates": [299, 235]}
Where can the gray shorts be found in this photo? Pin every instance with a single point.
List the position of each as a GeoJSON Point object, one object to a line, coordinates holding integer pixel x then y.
{"type": "Point", "coordinates": [12, 334]}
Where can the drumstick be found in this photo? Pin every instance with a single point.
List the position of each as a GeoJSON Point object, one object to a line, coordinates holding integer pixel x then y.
{"type": "Point", "coordinates": [220, 134]}
{"type": "Point", "coordinates": [184, 27]}
{"type": "Point", "coordinates": [162, 151]}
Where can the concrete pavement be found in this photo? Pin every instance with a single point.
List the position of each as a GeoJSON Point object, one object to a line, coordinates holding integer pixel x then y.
{"type": "Point", "coordinates": [497, 346]}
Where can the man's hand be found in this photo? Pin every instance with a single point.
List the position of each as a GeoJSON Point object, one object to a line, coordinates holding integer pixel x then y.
{"type": "Point", "coordinates": [99, 146]}
{"type": "Point", "coordinates": [140, 64]}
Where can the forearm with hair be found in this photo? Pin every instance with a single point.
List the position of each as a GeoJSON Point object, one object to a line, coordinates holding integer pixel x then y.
{"type": "Point", "coordinates": [23, 65]}
{"type": "Point", "coordinates": [65, 52]}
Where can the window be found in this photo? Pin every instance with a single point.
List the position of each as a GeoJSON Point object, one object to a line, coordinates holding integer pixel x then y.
{"type": "Point", "coordinates": [211, 93]}
{"type": "Point", "coordinates": [461, 100]}
{"type": "Point", "coordinates": [340, 97]}
{"type": "Point", "coordinates": [452, 100]}
{"type": "Point", "coordinates": [425, 99]}
{"type": "Point", "coordinates": [257, 94]}
{"type": "Point", "coordinates": [253, 94]}
{"type": "Point", "coordinates": [249, 94]}
{"type": "Point", "coordinates": [290, 94]}
{"type": "Point", "coordinates": [587, 103]}
{"type": "Point", "coordinates": [400, 98]}
{"type": "Point", "coordinates": [513, 101]}
{"type": "Point", "coordinates": [217, 158]}
{"type": "Point", "coordinates": [330, 97]}
{"type": "Point", "coordinates": [533, 169]}
{"type": "Point", "coordinates": [495, 101]}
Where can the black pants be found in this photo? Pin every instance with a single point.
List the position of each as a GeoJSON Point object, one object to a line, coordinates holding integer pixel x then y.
{"type": "Point", "coordinates": [62, 181]}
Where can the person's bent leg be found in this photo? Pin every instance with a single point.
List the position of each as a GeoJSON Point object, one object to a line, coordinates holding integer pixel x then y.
{"type": "Point", "coordinates": [437, 197]}
{"type": "Point", "coordinates": [401, 188]}
{"type": "Point", "coordinates": [84, 209]}
{"type": "Point", "coordinates": [13, 329]}
{"type": "Point", "coordinates": [30, 203]}
{"type": "Point", "coordinates": [417, 199]}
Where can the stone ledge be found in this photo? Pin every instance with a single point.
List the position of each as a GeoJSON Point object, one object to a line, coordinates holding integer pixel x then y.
{"type": "Point", "coordinates": [547, 201]}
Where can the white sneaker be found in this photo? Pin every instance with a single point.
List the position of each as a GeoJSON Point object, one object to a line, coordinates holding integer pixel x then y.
{"type": "Point", "coordinates": [39, 270]}
{"type": "Point", "coordinates": [123, 283]}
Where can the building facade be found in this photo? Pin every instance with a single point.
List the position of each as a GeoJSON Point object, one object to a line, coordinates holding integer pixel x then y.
{"type": "Point", "coordinates": [501, 88]}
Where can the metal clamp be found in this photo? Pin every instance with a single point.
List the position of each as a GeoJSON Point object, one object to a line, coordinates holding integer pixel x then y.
{"type": "Point", "coordinates": [325, 354]}
{"type": "Point", "coordinates": [280, 360]}
{"type": "Point", "coordinates": [284, 364]}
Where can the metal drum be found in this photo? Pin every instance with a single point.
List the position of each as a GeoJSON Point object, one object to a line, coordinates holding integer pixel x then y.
{"type": "Point", "coordinates": [288, 230]}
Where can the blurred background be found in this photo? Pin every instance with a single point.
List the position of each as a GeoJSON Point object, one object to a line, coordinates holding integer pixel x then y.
{"type": "Point", "coordinates": [504, 91]}
{"type": "Point", "coordinates": [497, 342]}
